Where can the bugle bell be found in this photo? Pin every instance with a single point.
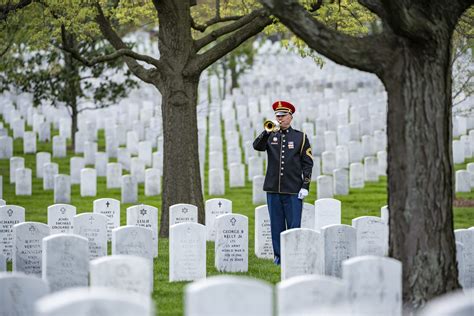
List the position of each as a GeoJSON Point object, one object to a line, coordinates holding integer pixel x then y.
{"type": "Point", "coordinates": [271, 126]}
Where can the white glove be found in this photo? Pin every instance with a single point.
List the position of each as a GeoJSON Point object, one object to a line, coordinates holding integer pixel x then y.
{"type": "Point", "coordinates": [302, 194]}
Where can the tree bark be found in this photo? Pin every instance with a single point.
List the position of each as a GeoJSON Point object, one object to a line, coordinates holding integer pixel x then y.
{"type": "Point", "coordinates": [181, 175]}
{"type": "Point", "coordinates": [420, 168]}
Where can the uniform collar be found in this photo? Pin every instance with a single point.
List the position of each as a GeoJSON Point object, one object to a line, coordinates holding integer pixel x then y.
{"type": "Point", "coordinates": [286, 131]}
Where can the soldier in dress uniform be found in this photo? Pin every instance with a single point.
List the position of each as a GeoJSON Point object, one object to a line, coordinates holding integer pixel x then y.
{"type": "Point", "coordinates": [288, 176]}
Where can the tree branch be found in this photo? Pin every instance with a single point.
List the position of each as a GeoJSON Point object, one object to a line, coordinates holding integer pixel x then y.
{"type": "Point", "coordinates": [6, 9]}
{"type": "Point", "coordinates": [202, 27]}
{"type": "Point", "coordinates": [206, 40]}
{"type": "Point", "coordinates": [147, 75]}
{"type": "Point", "coordinates": [253, 27]}
{"type": "Point", "coordinates": [376, 7]}
{"type": "Point", "coordinates": [369, 53]}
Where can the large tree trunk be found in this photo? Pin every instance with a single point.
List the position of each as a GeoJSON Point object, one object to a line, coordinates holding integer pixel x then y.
{"type": "Point", "coordinates": [420, 181]}
{"type": "Point", "coordinates": [181, 176]}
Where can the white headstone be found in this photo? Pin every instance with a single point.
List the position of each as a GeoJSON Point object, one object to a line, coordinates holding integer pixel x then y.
{"type": "Point", "coordinates": [3, 262]}
{"type": "Point", "coordinates": [76, 165]}
{"type": "Point", "coordinates": [341, 181]}
{"type": "Point", "coordinates": [144, 152]}
{"type": "Point", "coordinates": [308, 216]}
{"type": "Point", "coordinates": [339, 245]}
{"type": "Point", "coordinates": [463, 181]}
{"type": "Point", "coordinates": [60, 218]}
{"type": "Point", "coordinates": [59, 147]}
{"type": "Point", "coordinates": [114, 175]}
{"type": "Point", "coordinates": [122, 272]}
{"type": "Point", "coordinates": [152, 182]}
{"type": "Point", "coordinates": [62, 188]}
{"type": "Point", "coordinates": [315, 295]}
{"type": "Point", "coordinates": [374, 285]}
{"type": "Point", "coordinates": [214, 208]}
{"type": "Point", "coordinates": [50, 170]}
{"type": "Point", "coordinates": [300, 252]}
{"type": "Point", "coordinates": [456, 303]}
{"type": "Point", "coordinates": [137, 170]}
{"type": "Point", "coordinates": [19, 293]}
{"type": "Point", "coordinates": [356, 175]}
{"type": "Point", "coordinates": [187, 252]}
{"type": "Point", "coordinates": [230, 296]}
{"type": "Point", "coordinates": [328, 162]}
{"type": "Point", "coordinates": [111, 209]}
{"type": "Point", "coordinates": [327, 212]}
{"type": "Point", "coordinates": [371, 169]}
{"type": "Point", "coordinates": [29, 143]}
{"type": "Point", "coordinates": [255, 167]}
{"type": "Point", "coordinates": [27, 247]}
{"type": "Point", "coordinates": [93, 227]}
{"type": "Point", "coordinates": [324, 187]}
{"type": "Point", "coordinates": [41, 159]}
{"type": "Point", "coordinates": [216, 182]}
{"type": "Point", "coordinates": [88, 182]}
{"type": "Point", "coordinates": [23, 184]}
{"type": "Point", "coordinates": [133, 240]}
{"type": "Point", "coordinates": [6, 147]}
{"type": "Point", "coordinates": [182, 213]}
{"type": "Point", "coordinates": [65, 261]}
{"type": "Point", "coordinates": [258, 195]}
{"type": "Point", "coordinates": [9, 216]}
{"type": "Point", "coordinates": [101, 160]}
{"type": "Point", "coordinates": [15, 163]}
{"type": "Point", "coordinates": [231, 247]}
{"type": "Point", "coordinates": [466, 275]}
{"type": "Point", "coordinates": [236, 175]}
{"type": "Point", "coordinates": [129, 189]}
{"type": "Point", "coordinates": [145, 216]}
{"type": "Point", "coordinates": [371, 235]}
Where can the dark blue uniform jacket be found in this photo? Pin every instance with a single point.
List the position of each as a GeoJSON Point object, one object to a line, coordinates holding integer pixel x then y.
{"type": "Point", "coordinates": [290, 160]}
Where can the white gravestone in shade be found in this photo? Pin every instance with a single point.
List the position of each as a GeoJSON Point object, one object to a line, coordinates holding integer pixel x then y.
{"type": "Point", "coordinates": [371, 236]}
{"type": "Point", "coordinates": [214, 208]}
{"type": "Point", "coordinates": [132, 142]}
{"type": "Point", "coordinates": [315, 295]}
{"type": "Point", "coordinates": [114, 175]}
{"type": "Point", "coordinates": [356, 175]}
{"type": "Point", "coordinates": [231, 247]}
{"type": "Point", "coordinates": [236, 175]}
{"type": "Point", "coordinates": [300, 252]}
{"type": "Point", "coordinates": [59, 147]}
{"type": "Point", "coordinates": [29, 143]}
{"type": "Point", "coordinates": [382, 163]}
{"type": "Point", "coordinates": [122, 272]}
{"type": "Point", "coordinates": [15, 163]}
{"type": "Point", "coordinates": [23, 184]}
{"type": "Point", "coordinates": [324, 187]}
{"type": "Point", "coordinates": [94, 301]}
{"type": "Point", "coordinates": [258, 195]}
{"type": "Point", "coordinates": [327, 212]}
{"type": "Point", "coordinates": [124, 158]}
{"type": "Point", "coordinates": [62, 188]}
{"type": "Point", "coordinates": [50, 170]}
{"type": "Point", "coordinates": [339, 244]}
{"type": "Point", "coordinates": [9, 216]}
{"type": "Point", "coordinates": [316, 168]}
{"type": "Point", "coordinates": [76, 164]}
{"type": "Point", "coordinates": [328, 160]}
{"type": "Point", "coordinates": [101, 160]}
{"type": "Point", "coordinates": [457, 303]}
{"type": "Point", "coordinates": [6, 147]}
{"type": "Point", "coordinates": [111, 209]}
{"type": "Point", "coordinates": [88, 182]}
{"type": "Point", "coordinates": [374, 285]}
{"type": "Point", "coordinates": [27, 247]}
{"type": "Point", "coordinates": [183, 213]}
{"type": "Point", "coordinates": [19, 293]}
{"type": "Point", "coordinates": [129, 189]}
{"type": "Point", "coordinates": [470, 169]}
{"type": "Point", "coordinates": [90, 148]}
{"type": "Point", "coordinates": [60, 218]}
{"type": "Point", "coordinates": [342, 157]}
{"type": "Point", "coordinates": [263, 234]}
{"type": "Point", "coordinates": [137, 170]}
{"type": "Point", "coordinates": [341, 182]}
{"type": "Point", "coordinates": [216, 182]}
{"type": "Point", "coordinates": [145, 216]}
{"type": "Point", "coordinates": [371, 173]}
{"type": "Point", "coordinates": [308, 216]}
{"type": "Point", "coordinates": [152, 182]}
{"type": "Point", "coordinates": [228, 295]}
{"type": "Point", "coordinates": [462, 183]}
{"type": "Point", "coordinates": [144, 152]}
{"type": "Point", "coordinates": [133, 240]}
{"type": "Point", "coordinates": [93, 227]}
{"type": "Point", "coordinates": [65, 261]}
{"type": "Point", "coordinates": [255, 167]}
{"type": "Point", "coordinates": [466, 271]}
{"type": "Point", "coordinates": [187, 252]}
{"type": "Point", "coordinates": [41, 159]}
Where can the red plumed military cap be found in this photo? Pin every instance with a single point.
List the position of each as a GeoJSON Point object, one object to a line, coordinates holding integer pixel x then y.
{"type": "Point", "coordinates": [283, 107]}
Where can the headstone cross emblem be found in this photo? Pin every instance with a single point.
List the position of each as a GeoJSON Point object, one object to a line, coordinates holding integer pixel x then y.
{"type": "Point", "coordinates": [10, 212]}
{"type": "Point", "coordinates": [107, 204]}
{"type": "Point", "coordinates": [32, 229]}
{"type": "Point", "coordinates": [220, 204]}
{"type": "Point", "coordinates": [62, 210]}
{"type": "Point", "coordinates": [232, 221]}
{"type": "Point", "coordinates": [91, 219]}
{"type": "Point", "coordinates": [184, 210]}
{"type": "Point", "coordinates": [143, 212]}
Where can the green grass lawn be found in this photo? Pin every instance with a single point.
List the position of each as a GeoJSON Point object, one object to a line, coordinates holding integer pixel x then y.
{"type": "Point", "coordinates": [168, 297]}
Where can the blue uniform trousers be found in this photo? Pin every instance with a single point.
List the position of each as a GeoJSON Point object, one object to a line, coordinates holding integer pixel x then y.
{"type": "Point", "coordinates": [285, 212]}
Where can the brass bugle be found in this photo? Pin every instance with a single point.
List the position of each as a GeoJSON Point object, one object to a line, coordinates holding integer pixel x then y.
{"type": "Point", "coordinates": [271, 126]}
